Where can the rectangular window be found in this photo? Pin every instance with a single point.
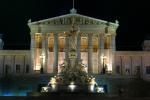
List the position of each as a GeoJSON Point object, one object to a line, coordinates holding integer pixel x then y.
{"type": "Point", "coordinates": [50, 44]}
{"type": "Point", "coordinates": [118, 69]}
{"type": "Point", "coordinates": [17, 68]}
{"type": "Point", "coordinates": [27, 68]}
{"type": "Point", "coordinates": [84, 44]}
{"type": "Point", "coordinates": [147, 69]}
{"type": "Point", "coordinates": [107, 41]}
{"type": "Point", "coordinates": [7, 69]}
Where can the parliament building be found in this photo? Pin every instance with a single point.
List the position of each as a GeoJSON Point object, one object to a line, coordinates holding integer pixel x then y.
{"type": "Point", "coordinates": [96, 46]}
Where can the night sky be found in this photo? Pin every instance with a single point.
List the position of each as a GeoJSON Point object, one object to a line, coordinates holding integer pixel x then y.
{"type": "Point", "coordinates": [133, 16]}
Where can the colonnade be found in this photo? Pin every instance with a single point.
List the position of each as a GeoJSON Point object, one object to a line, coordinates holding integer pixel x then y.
{"type": "Point", "coordinates": [102, 50]}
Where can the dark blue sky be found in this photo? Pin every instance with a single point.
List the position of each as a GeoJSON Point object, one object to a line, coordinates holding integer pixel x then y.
{"type": "Point", "coordinates": [133, 16]}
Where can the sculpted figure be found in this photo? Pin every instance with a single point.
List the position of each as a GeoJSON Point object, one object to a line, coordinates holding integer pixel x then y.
{"type": "Point", "coordinates": [73, 38]}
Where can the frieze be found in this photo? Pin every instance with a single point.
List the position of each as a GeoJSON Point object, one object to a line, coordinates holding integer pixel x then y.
{"type": "Point", "coordinates": [68, 21]}
{"type": "Point", "coordinates": [78, 21]}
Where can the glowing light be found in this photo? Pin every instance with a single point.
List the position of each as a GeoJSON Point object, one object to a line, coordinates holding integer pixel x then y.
{"type": "Point", "coordinates": [44, 89]}
{"type": "Point", "coordinates": [109, 68]}
{"type": "Point", "coordinates": [53, 87]}
{"type": "Point", "coordinates": [53, 81]}
{"type": "Point", "coordinates": [100, 90]}
{"type": "Point", "coordinates": [42, 57]}
{"type": "Point", "coordinates": [7, 94]}
{"type": "Point", "coordinates": [103, 57]}
{"type": "Point", "coordinates": [91, 88]}
{"type": "Point", "coordinates": [72, 83]}
{"type": "Point", "coordinates": [92, 81]}
{"type": "Point", "coordinates": [72, 86]}
{"type": "Point", "coordinates": [91, 84]}
{"type": "Point", "coordinates": [37, 67]}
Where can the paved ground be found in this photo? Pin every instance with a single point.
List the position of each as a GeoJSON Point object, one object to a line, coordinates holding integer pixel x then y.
{"type": "Point", "coordinates": [19, 85]}
{"type": "Point", "coordinates": [74, 98]}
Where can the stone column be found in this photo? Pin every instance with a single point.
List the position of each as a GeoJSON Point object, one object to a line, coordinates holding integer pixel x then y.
{"type": "Point", "coordinates": [79, 46]}
{"type": "Point", "coordinates": [112, 51]}
{"type": "Point", "coordinates": [24, 66]}
{"type": "Point", "coordinates": [131, 69]}
{"type": "Point", "coordinates": [32, 52]}
{"type": "Point", "coordinates": [3, 69]}
{"type": "Point", "coordinates": [141, 67]}
{"type": "Point", "coordinates": [44, 53]}
{"type": "Point", "coordinates": [100, 51]}
{"type": "Point", "coordinates": [14, 65]}
{"type": "Point", "coordinates": [67, 48]}
{"type": "Point", "coordinates": [113, 42]}
{"type": "Point", "coordinates": [90, 51]}
{"type": "Point", "coordinates": [121, 67]}
{"type": "Point", "coordinates": [55, 65]}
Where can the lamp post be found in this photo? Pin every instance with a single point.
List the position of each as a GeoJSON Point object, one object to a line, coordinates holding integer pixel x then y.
{"type": "Point", "coordinates": [41, 70]}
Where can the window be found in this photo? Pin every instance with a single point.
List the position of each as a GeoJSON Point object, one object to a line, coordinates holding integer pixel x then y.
{"type": "Point", "coordinates": [106, 42]}
{"type": "Point", "coordinates": [137, 70]}
{"type": "Point", "coordinates": [7, 69]}
{"type": "Point", "coordinates": [38, 40]}
{"type": "Point", "coordinates": [84, 44]}
{"type": "Point", "coordinates": [147, 69]}
{"type": "Point", "coordinates": [17, 68]}
{"type": "Point", "coordinates": [27, 68]}
{"type": "Point", "coordinates": [118, 69]}
{"type": "Point", "coordinates": [127, 71]}
{"type": "Point", "coordinates": [50, 44]}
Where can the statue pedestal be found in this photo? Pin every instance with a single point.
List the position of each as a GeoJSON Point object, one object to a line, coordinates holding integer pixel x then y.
{"type": "Point", "coordinates": [80, 88]}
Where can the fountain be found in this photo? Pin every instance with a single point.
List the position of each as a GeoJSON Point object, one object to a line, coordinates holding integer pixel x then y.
{"type": "Point", "coordinates": [73, 76]}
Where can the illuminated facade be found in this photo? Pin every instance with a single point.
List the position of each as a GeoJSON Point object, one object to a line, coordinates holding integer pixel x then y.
{"type": "Point", "coordinates": [96, 47]}
{"type": "Point", "coordinates": [96, 41]}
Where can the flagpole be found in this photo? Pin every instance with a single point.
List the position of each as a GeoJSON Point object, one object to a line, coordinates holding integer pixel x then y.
{"type": "Point", "coordinates": [73, 3]}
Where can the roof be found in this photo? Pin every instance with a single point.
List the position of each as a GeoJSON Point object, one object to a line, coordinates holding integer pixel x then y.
{"type": "Point", "coordinates": [80, 19]}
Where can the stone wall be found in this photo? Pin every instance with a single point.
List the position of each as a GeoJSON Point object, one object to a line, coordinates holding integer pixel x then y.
{"type": "Point", "coordinates": [132, 63]}
{"type": "Point", "coordinates": [15, 62]}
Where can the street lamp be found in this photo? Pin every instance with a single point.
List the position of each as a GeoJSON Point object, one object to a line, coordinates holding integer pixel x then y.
{"type": "Point", "coordinates": [41, 70]}
{"type": "Point", "coordinates": [103, 69]}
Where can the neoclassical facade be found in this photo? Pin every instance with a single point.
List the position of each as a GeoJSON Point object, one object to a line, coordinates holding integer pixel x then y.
{"type": "Point", "coordinates": [95, 46]}
{"type": "Point", "coordinates": [96, 42]}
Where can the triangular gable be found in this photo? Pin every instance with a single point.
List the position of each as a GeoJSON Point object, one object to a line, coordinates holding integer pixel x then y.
{"type": "Point", "coordinates": [67, 20]}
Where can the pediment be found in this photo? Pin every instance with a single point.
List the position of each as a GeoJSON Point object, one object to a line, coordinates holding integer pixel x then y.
{"type": "Point", "coordinates": [68, 19]}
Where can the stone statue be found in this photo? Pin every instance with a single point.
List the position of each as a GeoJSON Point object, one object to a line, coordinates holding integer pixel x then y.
{"type": "Point", "coordinates": [73, 38]}
{"type": "Point", "coordinates": [72, 69]}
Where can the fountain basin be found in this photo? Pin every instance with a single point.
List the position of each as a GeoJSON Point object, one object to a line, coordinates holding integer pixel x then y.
{"type": "Point", "coordinates": [70, 88]}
